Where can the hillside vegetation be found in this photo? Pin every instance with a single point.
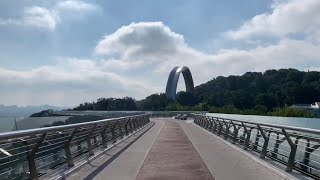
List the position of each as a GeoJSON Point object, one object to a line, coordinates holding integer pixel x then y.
{"type": "Point", "coordinates": [273, 88]}
{"type": "Point", "coordinates": [268, 93]}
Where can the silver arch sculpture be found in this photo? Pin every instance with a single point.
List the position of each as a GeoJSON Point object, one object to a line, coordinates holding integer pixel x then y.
{"type": "Point", "coordinates": [173, 78]}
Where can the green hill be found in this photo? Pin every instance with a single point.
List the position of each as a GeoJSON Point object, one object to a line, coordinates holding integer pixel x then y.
{"type": "Point", "coordinates": [267, 93]}
{"type": "Point", "coordinates": [273, 88]}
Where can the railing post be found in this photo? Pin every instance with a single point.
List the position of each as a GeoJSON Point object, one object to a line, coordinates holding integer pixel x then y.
{"type": "Point", "coordinates": [120, 129]}
{"type": "Point", "coordinates": [265, 143]}
{"type": "Point", "coordinates": [211, 124]}
{"type": "Point", "coordinates": [220, 127]}
{"type": "Point", "coordinates": [103, 136]}
{"type": "Point", "coordinates": [291, 159]}
{"type": "Point", "coordinates": [196, 117]}
{"type": "Point", "coordinates": [114, 139]}
{"type": "Point", "coordinates": [246, 143]}
{"type": "Point", "coordinates": [202, 122]}
{"type": "Point", "coordinates": [89, 144]}
{"type": "Point", "coordinates": [226, 134]}
{"type": "Point", "coordinates": [134, 124]}
{"type": "Point", "coordinates": [126, 126]}
{"type": "Point", "coordinates": [31, 158]}
{"type": "Point", "coordinates": [138, 122]}
{"type": "Point", "coordinates": [208, 123]}
{"type": "Point", "coordinates": [215, 125]}
{"type": "Point", "coordinates": [67, 150]}
{"type": "Point", "coordinates": [131, 125]}
{"type": "Point", "coordinates": [235, 135]}
{"type": "Point", "coordinates": [195, 120]}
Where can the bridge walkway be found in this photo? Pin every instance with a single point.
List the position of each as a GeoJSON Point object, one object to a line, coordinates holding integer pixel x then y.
{"type": "Point", "coordinates": [177, 150]}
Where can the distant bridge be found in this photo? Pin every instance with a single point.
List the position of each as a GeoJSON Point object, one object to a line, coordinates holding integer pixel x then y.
{"type": "Point", "coordinates": [144, 147]}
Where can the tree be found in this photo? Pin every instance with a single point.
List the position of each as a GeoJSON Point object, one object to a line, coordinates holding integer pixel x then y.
{"type": "Point", "coordinates": [186, 98]}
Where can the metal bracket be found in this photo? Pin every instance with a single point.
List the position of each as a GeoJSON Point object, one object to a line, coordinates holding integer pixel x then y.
{"type": "Point", "coordinates": [265, 144]}
{"type": "Point", "coordinates": [114, 139]}
{"type": "Point", "coordinates": [103, 136]}
{"type": "Point", "coordinates": [246, 143]}
{"type": "Point", "coordinates": [126, 126]}
{"type": "Point", "coordinates": [220, 128]}
{"type": "Point", "coordinates": [90, 148]}
{"type": "Point", "coordinates": [215, 125]}
{"type": "Point", "coordinates": [235, 135]}
{"type": "Point", "coordinates": [226, 135]}
{"type": "Point", "coordinates": [31, 158]}
{"type": "Point", "coordinates": [69, 158]}
{"type": "Point", "coordinates": [290, 163]}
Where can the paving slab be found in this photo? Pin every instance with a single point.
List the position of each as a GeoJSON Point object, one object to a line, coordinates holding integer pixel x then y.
{"type": "Point", "coordinates": [123, 166]}
{"type": "Point", "coordinates": [226, 162]}
{"type": "Point", "coordinates": [173, 156]}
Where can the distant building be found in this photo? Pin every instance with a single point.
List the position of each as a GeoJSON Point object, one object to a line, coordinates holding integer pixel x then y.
{"type": "Point", "coordinates": [315, 105]}
{"type": "Point", "coordinates": [313, 108]}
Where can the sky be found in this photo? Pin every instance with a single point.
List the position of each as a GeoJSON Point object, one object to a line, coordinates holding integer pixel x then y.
{"type": "Point", "coordinates": [65, 52]}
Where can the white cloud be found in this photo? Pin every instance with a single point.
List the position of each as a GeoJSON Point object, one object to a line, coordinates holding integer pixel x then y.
{"type": "Point", "coordinates": [136, 61]}
{"type": "Point", "coordinates": [294, 17]}
{"type": "Point", "coordinates": [140, 39]}
{"type": "Point", "coordinates": [49, 17]}
{"type": "Point", "coordinates": [153, 49]}
{"type": "Point", "coordinates": [40, 17]}
{"type": "Point", "coordinates": [76, 5]}
{"type": "Point", "coordinates": [68, 82]}
{"type": "Point", "coordinates": [35, 16]}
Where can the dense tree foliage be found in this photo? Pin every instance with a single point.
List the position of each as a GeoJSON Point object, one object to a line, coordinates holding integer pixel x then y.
{"type": "Point", "coordinates": [271, 89]}
{"type": "Point", "coordinates": [186, 99]}
{"type": "Point", "coordinates": [110, 104]}
{"type": "Point", "coordinates": [154, 102]}
{"type": "Point", "coordinates": [76, 119]}
{"type": "Point", "coordinates": [268, 93]}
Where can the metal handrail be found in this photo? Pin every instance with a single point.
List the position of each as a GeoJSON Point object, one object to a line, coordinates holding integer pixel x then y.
{"type": "Point", "coordinates": [297, 147]}
{"type": "Point", "coordinates": [293, 128]}
{"type": "Point", "coordinates": [50, 146]}
{"type": "Point", "coordinates": [15, 134]}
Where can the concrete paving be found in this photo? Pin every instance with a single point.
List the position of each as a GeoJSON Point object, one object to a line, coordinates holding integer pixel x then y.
{"type": "Point", "coordinates": [228, 162]}
{"type": "Point", "coordinates": [174, 149]}
{"type": "Point", "coordinates": [126, 165]}
{"type": "Point", "coordinates": [173, 156]}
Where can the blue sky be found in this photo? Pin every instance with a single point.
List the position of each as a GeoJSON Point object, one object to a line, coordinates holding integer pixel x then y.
{"type": "Point", "coordinates": [63, 52]}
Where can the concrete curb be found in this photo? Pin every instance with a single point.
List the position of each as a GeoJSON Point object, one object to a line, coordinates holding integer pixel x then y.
{"type": "Point", "coordinates": [262, 162]}
{"type": "Point", "coordinates": [63, 175]}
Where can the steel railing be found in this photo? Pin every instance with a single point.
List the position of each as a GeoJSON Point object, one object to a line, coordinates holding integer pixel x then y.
{"type": "Point", "coordinates": [295, 147]}
{"type": "Point", "coordinates": [157, 114]}
{"type": "Point", "coordinates": [28, 154]}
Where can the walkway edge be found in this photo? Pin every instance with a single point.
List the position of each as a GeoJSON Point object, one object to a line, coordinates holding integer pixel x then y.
{"type": "Point", "coordinates": [63, 175]}
{"type": "Point", "coordinates": [249, 155]}
{"type": "Point", "coordinates": [149, 149]}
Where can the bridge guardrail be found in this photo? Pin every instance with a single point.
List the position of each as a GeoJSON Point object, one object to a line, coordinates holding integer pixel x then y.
{"type": "Point", "coordinates": [157, 114]}
{"type": "Point", "coordinates": [297, 148]}
{"type": "Point", "coordinates": [28, 154]}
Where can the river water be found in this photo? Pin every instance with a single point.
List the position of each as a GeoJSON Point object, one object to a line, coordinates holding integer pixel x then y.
{"type": "Point", "coordinates": [313, 123]}
{"type": "Point", "coordinates": [8, 123]}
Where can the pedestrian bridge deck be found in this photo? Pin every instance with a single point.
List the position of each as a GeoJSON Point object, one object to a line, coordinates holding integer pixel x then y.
{"type": "Point", "coordinates": [171, 149]}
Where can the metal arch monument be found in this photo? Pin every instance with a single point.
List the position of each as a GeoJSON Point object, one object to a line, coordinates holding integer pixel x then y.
{"type": "Point", "coordinates": [173, 78]}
